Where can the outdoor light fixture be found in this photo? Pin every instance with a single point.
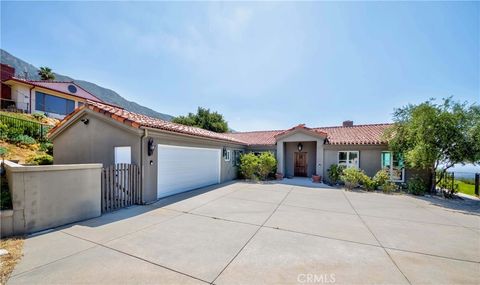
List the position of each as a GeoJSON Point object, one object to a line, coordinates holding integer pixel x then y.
{"type": "Point", "coordinates": [300, 146]}
{"type": "Point", "coordinates": [151, 147]}
{"type": "Point", "coordinates": [85, 121]}
{"type": "Point", "coordinates": [224, 152]}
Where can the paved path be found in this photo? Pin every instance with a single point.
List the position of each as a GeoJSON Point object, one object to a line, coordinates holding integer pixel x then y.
{"type": "Point", "coordinates": [244, 233]}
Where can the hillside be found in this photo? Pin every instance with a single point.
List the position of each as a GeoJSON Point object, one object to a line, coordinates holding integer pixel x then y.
{"type": "Point", "coordinates": [105, 94]}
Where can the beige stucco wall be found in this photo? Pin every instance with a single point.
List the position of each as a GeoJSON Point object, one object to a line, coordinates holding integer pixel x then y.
{"type": "Point", "coordinates": [369, 156]}
{"type": "Point", "coordinates": [48, 196]}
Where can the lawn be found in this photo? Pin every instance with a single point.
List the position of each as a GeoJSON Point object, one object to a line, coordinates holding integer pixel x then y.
{"type": "Point", "coordinates": [465, 187]}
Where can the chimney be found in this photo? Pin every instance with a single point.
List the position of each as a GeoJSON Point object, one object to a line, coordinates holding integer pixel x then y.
{"type": "Point", "coordinates": [348, 123]}
{"type": "Point", "coordinates": [6, 72]}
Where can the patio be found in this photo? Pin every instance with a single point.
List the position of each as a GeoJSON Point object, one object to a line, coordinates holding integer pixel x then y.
{"type": "Point", "coordinates": [245, 233]}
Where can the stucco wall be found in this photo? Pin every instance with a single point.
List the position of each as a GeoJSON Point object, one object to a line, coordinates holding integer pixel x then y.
{"type": "Point", "coordinates": [291, 148]}
{"type": "Point", "coordinates": [369, 157]}
{"type": "Point", "coordinates": [48, 196]}
{"type": "Point", "coordinates": [95, 142]}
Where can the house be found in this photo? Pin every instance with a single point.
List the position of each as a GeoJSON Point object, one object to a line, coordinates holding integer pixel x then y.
{"type": "Point", "coordinates": [175, 158]}
{"type": "Point", "coordinates": [54, 98]}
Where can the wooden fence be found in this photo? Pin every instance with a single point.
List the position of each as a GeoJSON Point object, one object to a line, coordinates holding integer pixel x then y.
{"type": "Point", "coordinates": [33, 129]}
{"type": "Point", "coordinates": [120, 186]}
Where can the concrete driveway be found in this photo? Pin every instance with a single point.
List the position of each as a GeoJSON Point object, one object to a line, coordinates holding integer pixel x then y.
{"type": "Point", "coordinates": [243, 233]}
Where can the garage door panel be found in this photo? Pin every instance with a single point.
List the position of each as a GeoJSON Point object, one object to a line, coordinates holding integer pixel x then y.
{"type": "Point", "coordinates": [185, 168]}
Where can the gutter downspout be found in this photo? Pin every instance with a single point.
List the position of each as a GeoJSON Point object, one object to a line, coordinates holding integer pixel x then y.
{"type": "Point", "coordinates": [30, 104]}
{"type": "Point", "coordinates": [142, 164]}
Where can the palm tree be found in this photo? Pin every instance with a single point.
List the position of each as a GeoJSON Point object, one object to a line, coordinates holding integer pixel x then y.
{"type": "Point", "coordinates": [46, 73]}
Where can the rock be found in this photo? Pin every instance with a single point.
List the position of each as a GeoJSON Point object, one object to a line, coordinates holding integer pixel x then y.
{"type": "Point", "coordinates": [3, 252]}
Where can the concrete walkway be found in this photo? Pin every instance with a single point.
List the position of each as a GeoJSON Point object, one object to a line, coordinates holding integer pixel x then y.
{"type": "Point", "coordinates": [244, 233]}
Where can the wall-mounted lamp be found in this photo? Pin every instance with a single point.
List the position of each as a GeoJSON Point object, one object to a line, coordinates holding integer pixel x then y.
{"type": "Point", "coordinates": [151, 147]}
{"type": "Point", "coordinates": [224, 152]}
{"type": "Point", "coordinates": [85, 121]}
{"type": "Point", "coordinates": [300, 146]}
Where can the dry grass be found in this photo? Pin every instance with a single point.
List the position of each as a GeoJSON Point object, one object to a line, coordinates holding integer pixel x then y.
{"type": "Point", "coordinates": [8, 262]}
{"type": "Point", "coordinates": [20, 153]}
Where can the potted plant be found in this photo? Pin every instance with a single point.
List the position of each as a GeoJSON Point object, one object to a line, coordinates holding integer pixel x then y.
{"type": "Point", "coordinates": [278, 176]}
{"type": "Point", "coordinates": [316, 178]}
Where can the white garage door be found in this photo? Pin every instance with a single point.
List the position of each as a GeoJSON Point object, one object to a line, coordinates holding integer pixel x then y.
{"type": "Point", "coordinates": [185, 168]}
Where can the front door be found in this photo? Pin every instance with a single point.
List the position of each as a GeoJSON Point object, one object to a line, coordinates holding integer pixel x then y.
{"type": "Point", "coordinates": [300, 164]}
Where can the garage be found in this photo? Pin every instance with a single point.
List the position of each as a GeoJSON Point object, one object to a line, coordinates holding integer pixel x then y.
{"type": "Point", "coordinates": [185, 168]}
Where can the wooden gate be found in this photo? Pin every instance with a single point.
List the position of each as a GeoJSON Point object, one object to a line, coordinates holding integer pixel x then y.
{"type": "Point", "coordinates": [120, 186]}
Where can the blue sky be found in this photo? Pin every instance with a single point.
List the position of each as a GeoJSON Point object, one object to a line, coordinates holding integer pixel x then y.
{"type": "Point", "coordinates": [262, 65]}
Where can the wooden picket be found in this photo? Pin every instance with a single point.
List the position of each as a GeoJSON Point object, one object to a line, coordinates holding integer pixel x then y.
{"type": "Point", "coordinates": [120, 186]}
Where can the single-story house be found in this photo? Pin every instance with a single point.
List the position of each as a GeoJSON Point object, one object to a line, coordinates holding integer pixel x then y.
{"type": "Point", "coordinates": [174, 158]}
{"type": "Point", "coordinates": [54, 98]}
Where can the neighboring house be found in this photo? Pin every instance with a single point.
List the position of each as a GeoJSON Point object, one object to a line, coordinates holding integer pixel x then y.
{"type": "Point", "coordinates": [53, 98]}
{"type": "Point", "coordinates": [175, 158]}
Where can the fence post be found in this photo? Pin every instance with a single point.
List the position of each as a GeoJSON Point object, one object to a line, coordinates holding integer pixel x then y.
{"type": "Point", "coordinates": [453, 181]}
{"type": "Point", "coordinates": [477, 182]}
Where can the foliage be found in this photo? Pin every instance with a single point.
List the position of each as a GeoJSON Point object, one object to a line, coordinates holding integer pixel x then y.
{"type": "Point", "coordinates": [389, 187]}
{"type": "Point", "coordinates": [204, 119]}
{"type": "Point", "coordinates": [248, 165]}
{"type": "Point", "coordinates": [38, 116]}
{"type": "Point", "coordinates": [22, 140]}
{"type": "Point", "coordinates": [267, 164]}
{"type": "Point", "coordinates": [352, 176]}
{"type": "Point", "coordinates": [416, 186]}
{"type": "Point", "coordinates": [381, 178]}
{"type": "Point", "coordinates": [261, 166]}
{"type": "Point", "coordinates": [334, 173]}
{"type": "Point", "coordinates": [3, 151]}
{"type": "Point", "coordinates": [41, 159]}
{"type": "Point", "coordinates": [3, 131]}
{"type": "Point", "coordinates": [5, 197]}
{"type": "Point", "coordinates": [368, 182]}
{"type": "Point", "coordinates": [47, 147]}
{"type": "Point", "coordinates": [46, 73]}
{"type": "Point", "coordinates": [436, 136]}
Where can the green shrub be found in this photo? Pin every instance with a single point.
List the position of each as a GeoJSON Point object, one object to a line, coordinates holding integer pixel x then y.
{"type": "Point", "coordinates": [47, 147]}
{"type": "Point", "coordinates": [334, 173]}
{"type": "Point", "coordinates": [41, 159]}
{"type": "Point", "coordinates": [39, 116]}
{"type": "Point", "coordinates": [3, 151]}
{"type": "Point", "coordinates": [249, 165]}
{"type": "Point", "coordinates": [389, 187]}
{"type": "Point", "coordinates": [368, 183]}
{"type": "Point", "coordinates": [351, 176]}
{"type": "Point", "coordinates": [267, 164]}
{"type": "Point", "coordinates": [3, 131]}
{"type": "Point", "coordinates": [23, 140]}
{"type": "Point", "coordinates": [416, 186]}
{"type": "Point", "coordinates": [381, 178]}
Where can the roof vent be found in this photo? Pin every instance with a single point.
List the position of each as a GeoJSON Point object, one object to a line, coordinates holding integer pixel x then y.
{"type": "Point", "coordinates": [72, 88]}
{"type": "Point", "coordinates": [348, 123]}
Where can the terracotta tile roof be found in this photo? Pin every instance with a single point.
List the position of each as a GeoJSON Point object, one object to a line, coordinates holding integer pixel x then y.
{"type": "Point", "coordinates": [59, 86]}
{"type": "Point", "coordinates": [138, 120]}
{"type": "Point", "coordinates": [358, 134]}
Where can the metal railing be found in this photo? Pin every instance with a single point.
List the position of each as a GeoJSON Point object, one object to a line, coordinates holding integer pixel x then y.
{"type": "Point", "coordinates": [33, 129]}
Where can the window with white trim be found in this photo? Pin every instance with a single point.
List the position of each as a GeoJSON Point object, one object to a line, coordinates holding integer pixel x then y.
{"type": "Point", "coordinates": [394, 164]}
{"type": "Point", "coordinates": [349, 158]}
{"type": "Point", "coordinates": [228, 153]}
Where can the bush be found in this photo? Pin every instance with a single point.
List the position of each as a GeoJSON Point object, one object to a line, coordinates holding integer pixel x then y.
{"type": "Point", "coordinates": [42, 159]}
{"type": "Point", "coordinates": [267, 164]}
{"type": "Point", "coordinates": [334, 173]}
{"type": "Point", "coordinates": [389, 187]}
{"type": "Point", "coordinates": [248, 165]}
{"type": "Point", "coordinates": [23, 140]}
{"type": "Point", "coordinates": [416, 186]}
{"type": "Point", "coordinates": [368, 183]}
{"type": "Point", "coordinates": [352, 176]}
{"type": "Point", "coordinates": [39, 116]}
{"type": "Point", "coordinates": [3, 151]}
{"type": "Point", "coordinates": [381, 178]}
{"type": "Point", "coordinates": [3, 131]}
{"type": "Point", "coordinates": [47, 147]}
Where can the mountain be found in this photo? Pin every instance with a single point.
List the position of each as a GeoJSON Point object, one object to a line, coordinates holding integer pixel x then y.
{"type": "Point", "coordinates": [104, 94]}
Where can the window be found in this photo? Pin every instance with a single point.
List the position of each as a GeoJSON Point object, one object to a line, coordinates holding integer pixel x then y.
{"type": "Point", "coordinates": [53, 104]}
{"type": "Point", "coordinates": [394, 164]}
{"type": "Point", "coordinates": [348, 158]}
{"type": "Point", "coordinates": [123, 154]}
{"type": "Point", "coordinates": [228, 154]}
{"type": "Point", "coordinates": [236, 157]}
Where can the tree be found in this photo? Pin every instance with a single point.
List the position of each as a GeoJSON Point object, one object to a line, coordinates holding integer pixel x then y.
{"type": "Point", "coordinates": [436, 136]}
{"type": "Point", "coordinates": [46, 73]}
{"type": "Point", "coordinates": [204, 119]}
